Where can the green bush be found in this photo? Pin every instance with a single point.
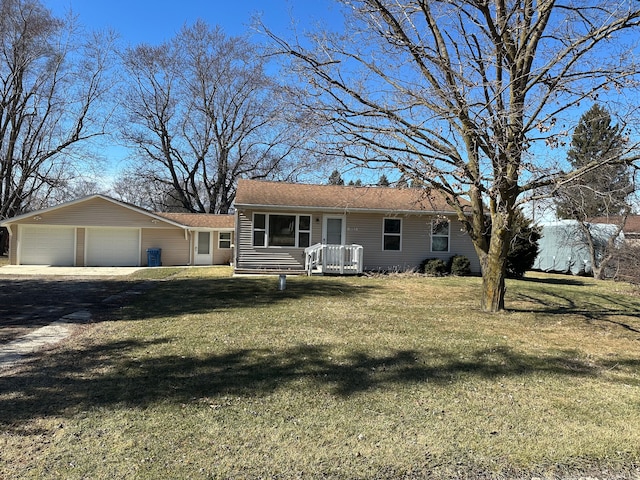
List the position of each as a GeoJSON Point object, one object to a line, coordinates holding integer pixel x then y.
{"type": "Point", "coordinates": [434, 267]}
{"type": "Point", "coordinates": [459, 265]}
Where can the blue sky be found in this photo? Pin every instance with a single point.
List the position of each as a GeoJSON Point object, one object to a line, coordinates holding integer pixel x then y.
{"type": "Point", "coordinates": [153, 21]}
{"type": "Point", "coordinates": [156, 21]}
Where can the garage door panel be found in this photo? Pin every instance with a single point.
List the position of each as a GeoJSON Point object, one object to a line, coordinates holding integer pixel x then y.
{"type": "Point", "coordinates": [112, 247]}
{"type": "Point", "coordinates": [47, 245]}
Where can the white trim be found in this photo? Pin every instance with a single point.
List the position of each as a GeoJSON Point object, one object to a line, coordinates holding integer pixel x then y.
{"type": "Point", "coordinates": [205, 258]}
{"type": "Point", "coordinates": [399, 235]}
{"type": "Point", "coordinates": [230, 240]}
{"type": "Point", "coordinates": [266, 228]}
{"type": "Point", "coordinates": [448, 236]}
{"type": "Point", "coordinates": [343, 234]}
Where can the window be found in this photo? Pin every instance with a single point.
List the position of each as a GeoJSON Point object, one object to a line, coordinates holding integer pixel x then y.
{"type": "Point", "coordinates": [392, 231]}
{"type": "Point", "coordinates": [304, 231]}
{"type": "Point", "coordinates": [259, 230]}
{"type": "Point", "coordinates": [224, 240]}
{"type": "Point", "coordinates": [440, 235]}
{"type": "Point", "coordinates": [282, 230]}
{"type": "Point", "coordinates": [271, 230]}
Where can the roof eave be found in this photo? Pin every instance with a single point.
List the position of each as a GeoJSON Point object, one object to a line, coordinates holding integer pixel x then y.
{"type": "Point", "coordinates": [343, 209]}
{"type": "Point", "coordinates": [70, 203]}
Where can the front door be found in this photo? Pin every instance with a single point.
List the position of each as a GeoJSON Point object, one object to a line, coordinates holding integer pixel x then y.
{"type": "Point", "coordinates": [203, 248]}
{"type": "Point", "coordinates": [333, 230]}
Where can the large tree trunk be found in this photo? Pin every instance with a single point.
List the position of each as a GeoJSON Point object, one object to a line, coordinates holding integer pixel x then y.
{"type": "Point", "coordinates": [494, 264]}
{"type": "Point", "coordinates": [493, 284]}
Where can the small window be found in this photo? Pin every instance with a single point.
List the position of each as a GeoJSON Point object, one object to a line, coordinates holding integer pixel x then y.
{"type": "Point", "coordinates": [259, 230]}
{"type": "Point", "coordinates": [440, 235]}
{"type": "Point", "coordinates": [304, 231]}
{"type": "Point", "coordinates": [392, 231]}
{"type": "Point", "coordinates": [224, 240]}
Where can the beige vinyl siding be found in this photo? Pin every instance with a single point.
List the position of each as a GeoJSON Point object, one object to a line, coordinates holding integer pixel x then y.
{"type": "Point", "coordinates": [367, 230]}
{"type": "Point", "coordinates": [274, 258]}
{"type": "Point", "coordinates": [221, 256]}
{"type": "Point", "coordinates": [461, 244]}
{"type": "Point", "coordinates": [364, 229]}
{"type": "Point", "coordinates": [172, 241]}
{"type": "Point", "coordinates": [95, 212]}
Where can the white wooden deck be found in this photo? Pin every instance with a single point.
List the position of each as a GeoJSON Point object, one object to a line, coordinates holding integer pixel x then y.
{"type": "Point", "coordinates": [333, 259]}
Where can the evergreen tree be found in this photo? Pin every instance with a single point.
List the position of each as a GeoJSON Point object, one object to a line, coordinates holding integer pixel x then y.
{"type": "Point", "coordinates": [524, 247]}
{"type": "Point", "coordinates": [384, 181]}
{"type": "Point", "coordinates": [335, 178]}
{"type": "Point", "coordinates": [602, 191]}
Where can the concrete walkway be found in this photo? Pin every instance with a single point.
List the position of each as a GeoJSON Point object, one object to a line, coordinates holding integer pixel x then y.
{"type": "Point", "coordinates": [13, 352]}
{"type": "Point", "coordinates": [51, 334]}
{"type": "Point", "coordinates": [46, 270]}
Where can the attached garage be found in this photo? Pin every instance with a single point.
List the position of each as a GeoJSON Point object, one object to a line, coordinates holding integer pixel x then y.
{"type": "Point", "coordinates": [112, 247]}
{"type": "Point", "coordinates": [98, 231]}
{"type": "Point", "coordinates": [46, 245]}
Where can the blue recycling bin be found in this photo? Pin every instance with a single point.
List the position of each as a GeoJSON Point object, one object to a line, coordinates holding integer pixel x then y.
{"type": "Point", "coordinates": [153, 257]}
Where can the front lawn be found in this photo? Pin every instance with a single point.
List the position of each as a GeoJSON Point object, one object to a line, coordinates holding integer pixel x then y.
{"type": "Point", "coordinates": [209, 376]}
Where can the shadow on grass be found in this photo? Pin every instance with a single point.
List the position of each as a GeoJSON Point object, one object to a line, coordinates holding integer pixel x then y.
{"type": "Point", "coordinates": [201, 295]}
{"type": "Point", "coordinates": [565, 280]}
{"type": "Point", "coordinates": [122, 374]}
{"type": "Point", "coordinates": [592, 306]}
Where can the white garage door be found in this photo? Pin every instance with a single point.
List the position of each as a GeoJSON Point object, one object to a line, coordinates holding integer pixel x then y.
{"type": "Point", "coordinates": [112, 247]}
{"type": "Point", "coordinates": [47, 245]}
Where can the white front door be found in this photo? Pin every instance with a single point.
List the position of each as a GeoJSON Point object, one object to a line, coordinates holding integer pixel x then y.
{"type": "Point", "coordinates": [204, 248]}
{"type": "Point", "coordinates": [333, 230]}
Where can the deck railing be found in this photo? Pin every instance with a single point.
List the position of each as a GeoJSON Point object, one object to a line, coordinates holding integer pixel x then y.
{"type": "Point", "coordinates": [339, 259]}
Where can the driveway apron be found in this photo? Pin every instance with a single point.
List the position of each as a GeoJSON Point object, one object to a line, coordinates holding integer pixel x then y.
{"type": "Point", "coordinates": [40, 310]}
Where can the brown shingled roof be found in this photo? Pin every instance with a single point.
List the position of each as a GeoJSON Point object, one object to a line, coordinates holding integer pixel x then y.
{"type": "Point", "coordinates": [632, 225]}
{"type": "Point", "coordinates": [334, 197]}
{"type": "Point", "coordinates": [200, 220]}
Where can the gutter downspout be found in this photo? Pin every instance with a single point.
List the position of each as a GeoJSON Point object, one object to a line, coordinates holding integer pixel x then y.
{"type": "Point", "coordinates": [236, 236]}
{"type": "Point", "coordinates": [188, 236]}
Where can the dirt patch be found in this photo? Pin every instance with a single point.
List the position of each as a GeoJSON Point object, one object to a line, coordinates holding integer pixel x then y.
{"type": "Point", "coordinates": [27, 303]}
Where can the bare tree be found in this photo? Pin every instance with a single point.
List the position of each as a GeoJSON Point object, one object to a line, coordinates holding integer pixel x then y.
{"type": "Point", "coordinates": [602, 195]}
{"type": "Point", "coordinates": [202, 112]}
{"type": "Point", "coordinates": [627, 263]}
{"type": "Point", "coordinates": [52, 80]}
{"type": "Point", "coordinates": [467, 97]}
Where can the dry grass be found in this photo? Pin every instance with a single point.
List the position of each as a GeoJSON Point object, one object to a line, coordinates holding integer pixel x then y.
{"type": "Point", "coordinates": [215, 377]}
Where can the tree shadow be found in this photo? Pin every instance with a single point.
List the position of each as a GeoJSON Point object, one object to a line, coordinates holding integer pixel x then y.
{"type": "Point", "coordinates": [569, 280]}
{"type": "Point", "coordinates": [120, 373]}
{"type": "Point", "coordinates": [31, 302]}
{"type": "Point", "coordinates": [201, 295]}
{"type": "Point", "coordinates": [593, 307]}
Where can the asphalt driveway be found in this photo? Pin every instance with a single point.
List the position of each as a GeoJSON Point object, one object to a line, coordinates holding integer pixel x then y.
{"type": "Point", "coordinates": [30, 301]}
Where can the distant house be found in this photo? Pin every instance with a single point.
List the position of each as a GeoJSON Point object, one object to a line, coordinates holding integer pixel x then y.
{"type": "Point", "coordinates": [100, 231]}
{"type": "Point", "coordinates": [343, 229]}
{"type": "Point", "coordinates": [631, 228]}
